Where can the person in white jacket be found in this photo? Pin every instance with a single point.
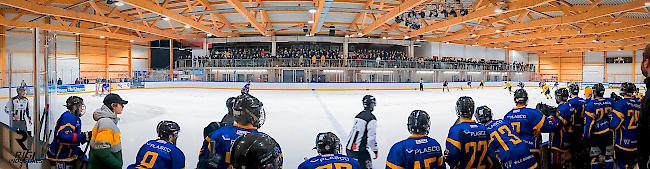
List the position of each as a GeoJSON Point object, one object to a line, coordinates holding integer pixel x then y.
{"type": "Point", "coordinates": [363, 134]}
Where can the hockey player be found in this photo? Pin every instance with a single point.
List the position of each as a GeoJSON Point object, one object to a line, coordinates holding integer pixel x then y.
{"type": "Point", "coordinates": [18, 109]}
{"type": "Point", "coordinates": [597, 131]}
{"type": "Point", "coordinates": [482, 84]}
{"type": "Point", "coordinates": [528, 123]}
{"type": "Point", "coordinates": [505, 149]}
{"type": "Point", "coordinates": [255, 150]}
{"type": "Point", "coordinates": [509, 87]}
{"type": "Point", "coordinates": [467, 141]}
{"type": "Point", "coordinates": [246, 88]}
{"type": "Point", "coordinates": [419, 150]}
{"type": "Point", "coordinates": [556, 85]}
{"type": "Point", "coordinates": [546, 91]}
{"type": "Point", "coordinates": [445, 85]}
{"type": "Point", "coordinates": [64, 151]}
{"type": "Point", "coordinates": [624, 124]}
{"type": "Point", "coordinates": [363, 134]}
{"type": "Point", "coordinates": [249, 116]}
{"type": "Point", "coordinates": [328, 147]}
{"type": "Point", "coordinates": [560, 136]}
{"type": "Point", "coordinates": [227, 120]}
{"type": "Point", "coordinates": [162, 152]}
{"type": "Point", "coordinates": [579, 151]}
{"type": "Point", "coordinates": [469, 83]}
{"type": "Point", "coordinates": [521, 85]}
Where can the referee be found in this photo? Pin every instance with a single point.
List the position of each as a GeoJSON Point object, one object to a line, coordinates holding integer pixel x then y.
{"type": "Point", "coordinates": [18, 109]}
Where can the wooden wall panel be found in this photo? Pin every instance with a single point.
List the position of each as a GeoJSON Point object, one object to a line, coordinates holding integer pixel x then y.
{"type": "Point", "coordinates": [561, 66]}
{"type": "Point", "coordinates": [104, 58]}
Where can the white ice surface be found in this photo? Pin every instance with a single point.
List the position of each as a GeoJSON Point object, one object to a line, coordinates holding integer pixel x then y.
{"type": "Point", "coordinates": [293, 117]}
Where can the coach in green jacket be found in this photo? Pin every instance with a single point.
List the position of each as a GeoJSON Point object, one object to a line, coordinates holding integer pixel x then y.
{"type": "Point", "coordinates": [106, 145]}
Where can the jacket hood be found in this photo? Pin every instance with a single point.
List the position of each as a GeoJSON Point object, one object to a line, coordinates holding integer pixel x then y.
{"type": "Point", "coordinates": [105, 112]}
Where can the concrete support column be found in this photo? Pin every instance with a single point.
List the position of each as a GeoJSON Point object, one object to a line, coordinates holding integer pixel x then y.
{"type": "Point", "coordinates": [634, 66]}
{"type": "Point", "coordinates": [345, 48]}
{"type": "Point", "coordinates": [171, 59]}
{"type": "Point", "coordinates": [274, 46]}
{"type": "Point", "coordinates": [605, 66]}
{"type": "Point", "coordinates": [411, 49]}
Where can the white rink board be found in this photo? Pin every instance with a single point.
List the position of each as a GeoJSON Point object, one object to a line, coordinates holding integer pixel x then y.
{"type": "Point", "coordinates": [293, 117]}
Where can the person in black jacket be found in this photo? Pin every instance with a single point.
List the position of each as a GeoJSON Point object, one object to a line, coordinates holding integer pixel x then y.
{"type": "Point", "coordinates": [644, 119]}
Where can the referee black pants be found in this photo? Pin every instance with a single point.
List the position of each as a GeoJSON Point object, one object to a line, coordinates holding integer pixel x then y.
{"type": "Point", "coordinates": [363, 156]}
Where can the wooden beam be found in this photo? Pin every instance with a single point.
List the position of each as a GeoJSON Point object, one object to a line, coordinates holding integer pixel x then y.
{"type": "Point", "coordinates": [214, 16]}
{"type": "Point", "coordinates": [564, 33]}
{"type": "Point", "coordinates": [321, 5]}
{"type": "Point", "coordinates": [58, 12]}
{"type": "Point", "coordinates": [485, 12]}
{"type": "Point", "coordinates": [21, 24]}
{"type": "Point", "coordinates": [239, 7]}
{"type": "Point", "coordinates": [149, 6]}
{"type": "Point", "coordinates": [358, 16]}
{"type": "Point", "coordinates": [405, 6]}
{"type": "Point", "coordinates": [570, 41]}
{"type": "Point", "coordinates": [565, 19]}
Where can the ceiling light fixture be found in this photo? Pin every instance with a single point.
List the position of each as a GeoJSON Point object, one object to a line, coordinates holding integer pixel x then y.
{"type": "Point", "coordinates": [119, 4]}
{"type": "Point", "coordinates": [209, 34]}
{"type": "Point", "coordinates": [312, 10]}
{"type": "Point", "coordinates": [187, 26]}
{"type": "Point", "coordinates": [499, 30]}
{"type": "Point", "coordinates": [102, 37]}
{"type": "Point", "coordinates": [310, 22]}
{"type": "Point", "coordinates": [131, 41]}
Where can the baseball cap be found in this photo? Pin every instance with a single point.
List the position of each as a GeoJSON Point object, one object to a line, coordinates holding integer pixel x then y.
{"type": "Point", "coordinates": [114, 98]}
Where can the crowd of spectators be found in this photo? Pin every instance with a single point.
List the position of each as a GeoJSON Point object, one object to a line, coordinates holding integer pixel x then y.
{"type": "Point", "coordinates": [332, 56]}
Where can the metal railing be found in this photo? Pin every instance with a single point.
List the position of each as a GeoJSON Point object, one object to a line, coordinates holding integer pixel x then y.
{"type": "Point", "coordinates": [297, 62]}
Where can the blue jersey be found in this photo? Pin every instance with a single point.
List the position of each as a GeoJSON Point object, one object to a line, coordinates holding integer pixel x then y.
{"type": "Point", "coordinates": [416, 152]}
{"type": "Point", "coordinates": [67, 138]}
{"type": "Point", "coordinates": [597, 114]}
{"type": "Point", "coordinates": [330, 161]}
{"type": "Point", "coordinates": [506, 148]}
{"type": "Point", "coordinates": [467, 144]}
{"type": "Point", "coordinates": [529, 124]}
{"type": "Point", "coordinates": [560, 136]}
{"type": "Point", "coordinates": [220, 142]}
{"type": "Point", "coordinates": [624, 123]}
{"type": "Point", "coordinates": [159, 154]}
{"type": "Point", "coordinates": [578, 106]}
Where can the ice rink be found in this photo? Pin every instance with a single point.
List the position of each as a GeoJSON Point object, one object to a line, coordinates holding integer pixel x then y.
{"type": "Point", "coordinates": [293, 117]}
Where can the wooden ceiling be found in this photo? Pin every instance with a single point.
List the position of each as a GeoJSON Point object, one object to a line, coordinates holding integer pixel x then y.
{"type": "Point", "coordinates": [548, 26]}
